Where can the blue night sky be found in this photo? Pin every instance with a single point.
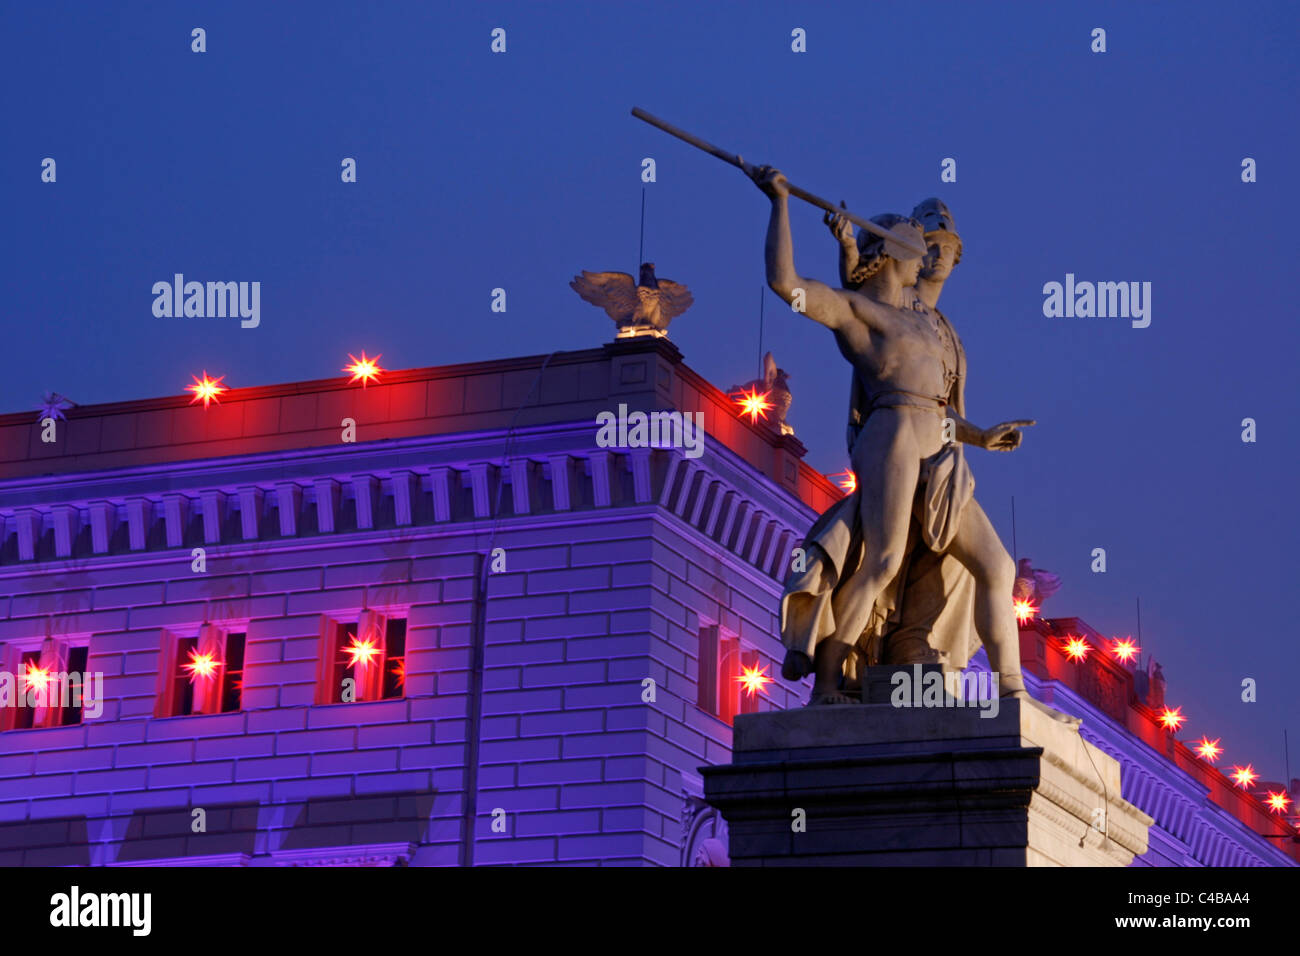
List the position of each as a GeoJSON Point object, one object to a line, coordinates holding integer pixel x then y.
{"type": "Point", "coordinates": [478, 170]}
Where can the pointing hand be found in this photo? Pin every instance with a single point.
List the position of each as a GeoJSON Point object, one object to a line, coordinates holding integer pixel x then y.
{"type": "Point", "coordinates": [1005, 436]}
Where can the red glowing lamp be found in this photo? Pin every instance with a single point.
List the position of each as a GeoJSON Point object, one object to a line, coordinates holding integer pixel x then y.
{"type": "Point", "coordinates": [1025, 611]}
{"type": "Point", "coordinates": [846, 479]}
{"type": "Point", "coordinates": [38, 677]}
{"type": "Point", "coordinates": [206, 389]}
{"type": "Point", "coordinates": [1172, 719]}
{"type": "Point", "coordinates": [1208, 750]}
{"type": "Point", "coordinates": [361, 652]}
{"type": "Point", "coordinates": [1076, 648]}
{"type": "Point", "coordinates": [1277, 802]}
{"type": "Point", "coordinates": [1244, 776]}
{"type": "Point", "coordinates": [754, 679]}
{"type": "Point", "coordinates": [754, 404]}
{"type": "Point", "coordinates": [201, 665]}
{"type": "Point", "coordinates": [1125, 650]}
{"type": "Point", "coordinates": [365, 370]}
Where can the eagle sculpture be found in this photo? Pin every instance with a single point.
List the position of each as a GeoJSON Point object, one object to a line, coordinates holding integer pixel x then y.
{"type": "Point", "coordinates": [1034, 584]}
{"type": "Point", "coordinates": [637, 308]}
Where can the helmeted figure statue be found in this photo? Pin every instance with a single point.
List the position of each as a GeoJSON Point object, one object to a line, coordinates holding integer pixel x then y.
{"type": "Point", "coordinates": [912, 478]}
{"type": "Point", "coordinates": [932, 612]}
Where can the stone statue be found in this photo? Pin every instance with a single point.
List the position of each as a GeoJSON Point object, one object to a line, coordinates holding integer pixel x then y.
{"type": "Point", "coordinates": [637, 308]}
{"type": "Point", "coordinates": [928, 616]}
{"type": "Point", "coordinates": [775, 384]}
{"type": "Point", "coordinates": [1034, 585]}
{"type": "Point", "coordinates": [907, 364]}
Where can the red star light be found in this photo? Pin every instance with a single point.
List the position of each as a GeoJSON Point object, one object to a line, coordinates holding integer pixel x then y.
{"type": "Point", "coordinates": [201, 665]}
{"type": "Point", "coordinates": [361, 652]}
{"type": "Point", "coordinates": [38, 677]}
{"type": "Point", "coordinates": [365, 370]}
{"type": "Point", "coordinates": [1172, 719]}
{"type": "Point", "coordinates": [1277, 802]}
{"type": "Point", "coordinates": [1125, 650]}
{"type": "Point", "coordinates": [846, 479]}
{"type": "Point", "coordinates": [1025, 611]}
{"type": "Point", "coordinates": [399, 671]}
{"type": "Point", "coordinates": [206, 388]}
{"type": "Point", "coordinates": [1208, 750]}
{"type": "Point", "coordinates": [754, 404]}
{"type": "Point", "coordinates": [755, 679]}
{"type": "Point", "coordinates": [1244, 776]}
{"type": "Point", "coordinates": [1076, 648]}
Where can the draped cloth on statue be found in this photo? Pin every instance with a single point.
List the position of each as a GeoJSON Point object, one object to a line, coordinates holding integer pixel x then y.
{"type": "Point", "coordinates": [926, 611]}
{"type": "Point", "coordinates": [937, 615]}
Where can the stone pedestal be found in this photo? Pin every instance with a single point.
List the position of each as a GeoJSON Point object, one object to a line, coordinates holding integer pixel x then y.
{"type": "Point", "coordinates": [881, 785]}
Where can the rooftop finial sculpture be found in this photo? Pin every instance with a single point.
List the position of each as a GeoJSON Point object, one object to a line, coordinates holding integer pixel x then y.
{"type": "Point", "coordinates": [1034, 584]}
{"type": "Point", "coordinates": [775, 385]}
{"type": "Point", "coordinates": [637, 308]}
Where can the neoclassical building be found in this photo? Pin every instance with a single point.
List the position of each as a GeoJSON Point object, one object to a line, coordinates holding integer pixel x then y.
{"type": "Point", "coordinates": [434, 621]}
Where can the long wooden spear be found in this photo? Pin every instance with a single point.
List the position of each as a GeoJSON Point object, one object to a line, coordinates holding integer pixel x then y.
{"type": "Point", "coordinates": [901, 238]}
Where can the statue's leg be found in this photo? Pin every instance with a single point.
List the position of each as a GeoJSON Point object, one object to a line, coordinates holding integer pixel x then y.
{"type": "Point", "coordinates": [887, 469]}
{"type": "Point", "coordinates": [797, 665]}
{"type": "Point", "coordinates": [828, 663]}
{"type": "Point", "coordinates": [925, 597]}
{"type": "Point", "coordinates": [978, 547]}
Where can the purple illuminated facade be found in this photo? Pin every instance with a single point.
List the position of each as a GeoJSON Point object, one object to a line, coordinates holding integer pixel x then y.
{"type": "Point", "coordinates": [559, 626]}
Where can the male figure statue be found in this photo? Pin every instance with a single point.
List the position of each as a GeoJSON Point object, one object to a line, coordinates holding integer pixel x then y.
{"type": "Point", "coordinates": [933, 616]}
{"type": "Point", "coordinates": [903, 467]}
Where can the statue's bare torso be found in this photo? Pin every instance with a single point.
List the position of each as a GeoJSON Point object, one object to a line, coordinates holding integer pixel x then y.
{"type": "Point", "coordinates": [909, 352]}
{"type": "Point", "coordinates": [907, 365]}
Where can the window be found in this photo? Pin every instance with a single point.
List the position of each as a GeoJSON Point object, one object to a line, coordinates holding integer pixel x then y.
{"type": "Point", "coordinates": [232, 684]}
{"type": "Point", "coordinates": [729, 697]}
{"type": "Point", "coordinates": [77, 659]}
{"type": "Point", "coordinates": [395, 656]}
{"type": "Point", "coordinates": [206, 674]}
{"type": "Point", "coordinates": [707, 683]}
{"type": "Point", "coordinates": [42, 687]}
{"type": "Point", "coordinates": [182, 689]}
{"type": "Point", "coordinates": [29, 689]}
{"type": "Point", "coordinates": [748, 692]}
{"type": "Point", "coordinates": [731, 679]}
{"type": "Point", "coordinates": [366, 659]}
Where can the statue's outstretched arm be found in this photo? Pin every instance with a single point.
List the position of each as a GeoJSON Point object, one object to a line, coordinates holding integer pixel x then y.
{"type": "Point", "coordinates": [966, 433]}
{"type": "Point", "coordinates": [815, 299]}
{"type": "Point", "coordinates": [1004, 436]}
